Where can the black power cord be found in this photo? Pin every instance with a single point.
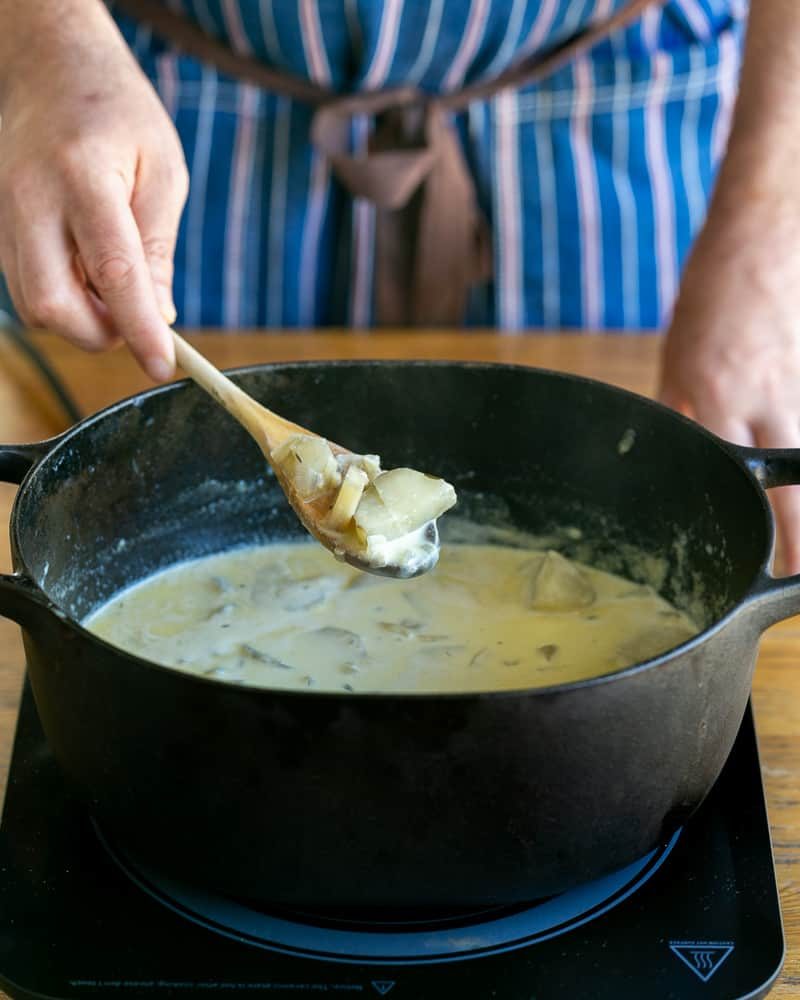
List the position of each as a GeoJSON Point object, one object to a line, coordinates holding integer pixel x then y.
{"type": "Point", "coordinates": [17, 336]}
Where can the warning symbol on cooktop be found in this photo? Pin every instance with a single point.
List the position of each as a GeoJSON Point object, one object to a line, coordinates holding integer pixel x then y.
{"type": "Point", "coordinates": [703, 957]}
{"type": "Point", "coordinates": [382, 986]}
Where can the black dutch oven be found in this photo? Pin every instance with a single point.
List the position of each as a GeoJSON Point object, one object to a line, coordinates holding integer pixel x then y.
{"type": "Point", "coordinates": [393, 799]}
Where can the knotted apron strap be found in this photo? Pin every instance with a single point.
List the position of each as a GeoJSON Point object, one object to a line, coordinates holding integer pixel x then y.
{"type": "Point", "coordinates": [430, 239]}
{"type": "Point", "coordinates": [454, 245]}
{"type": "Point", "coordinates": [432, 242]}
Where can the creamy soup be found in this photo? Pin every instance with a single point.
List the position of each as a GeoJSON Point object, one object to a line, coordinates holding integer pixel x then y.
{"type": "Point", "coordinates": [487, 618]}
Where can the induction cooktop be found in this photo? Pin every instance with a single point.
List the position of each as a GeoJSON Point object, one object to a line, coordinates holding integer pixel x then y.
{"type": "Point", "coordinates": [698, 917]}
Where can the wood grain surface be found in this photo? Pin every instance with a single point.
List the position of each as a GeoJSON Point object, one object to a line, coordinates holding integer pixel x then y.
{"type": "Point", "coordinates": [28, 414]}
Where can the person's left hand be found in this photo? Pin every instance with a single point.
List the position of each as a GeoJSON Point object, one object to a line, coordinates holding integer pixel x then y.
{"type": "Point", "coordinates": [732, 354]}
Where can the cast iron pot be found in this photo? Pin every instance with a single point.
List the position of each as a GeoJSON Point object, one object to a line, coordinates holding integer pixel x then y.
{"type": "Point", "coordinates": [382, 799]}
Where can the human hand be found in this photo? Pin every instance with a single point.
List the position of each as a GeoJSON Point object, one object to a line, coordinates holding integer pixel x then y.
{"type": "Point", "coordinates": [92, 186]}
{"type": "Point", "coordinates": [732, 355]}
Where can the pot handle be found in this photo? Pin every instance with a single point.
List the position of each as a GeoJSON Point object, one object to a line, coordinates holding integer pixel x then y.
{"type": "Point", "coordinates": [20, 598]}
{"type": "Point", "coordinates": [16, 460]}
{"type": "Point", "coordinates": [773, 598]}
{"type": "Point", "coordinates": [22, 601]}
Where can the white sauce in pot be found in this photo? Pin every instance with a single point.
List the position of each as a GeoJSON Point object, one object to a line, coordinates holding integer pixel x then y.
{"type": "Point", "coordinates": [487, 618]}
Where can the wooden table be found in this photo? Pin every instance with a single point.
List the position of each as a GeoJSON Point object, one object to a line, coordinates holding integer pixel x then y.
{"type": "Point", "coordinates": [27, 414]}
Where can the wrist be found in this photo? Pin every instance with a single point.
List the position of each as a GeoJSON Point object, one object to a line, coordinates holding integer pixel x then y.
{"type": "Point", "coordinates": [754, 213]}
{"type": "Point", "coordinates": [759, 171]}
{"type": "Point", "coordinates": [48, 44]}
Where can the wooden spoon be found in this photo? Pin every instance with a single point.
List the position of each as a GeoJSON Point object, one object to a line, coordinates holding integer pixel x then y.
{"type": "Point", "coordinates": [270, 431]}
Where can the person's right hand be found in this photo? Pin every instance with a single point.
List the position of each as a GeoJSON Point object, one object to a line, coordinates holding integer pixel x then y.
{"type": "Point", "coordinates": [92, 186]}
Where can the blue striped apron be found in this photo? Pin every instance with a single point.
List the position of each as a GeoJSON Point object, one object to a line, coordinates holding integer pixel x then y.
{"type": "Point", "coordinates": [595, 181]}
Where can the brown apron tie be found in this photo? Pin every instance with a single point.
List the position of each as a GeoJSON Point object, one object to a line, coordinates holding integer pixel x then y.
{"type": "Point", "coordinates": [432, 242]}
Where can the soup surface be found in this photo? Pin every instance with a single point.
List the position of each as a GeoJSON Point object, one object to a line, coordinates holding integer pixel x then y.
{"type": "Point", "coordinates": [487, 618]}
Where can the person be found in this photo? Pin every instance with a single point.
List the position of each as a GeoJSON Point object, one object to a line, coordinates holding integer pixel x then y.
{"type": "Point", "coordinates": [631, 167]}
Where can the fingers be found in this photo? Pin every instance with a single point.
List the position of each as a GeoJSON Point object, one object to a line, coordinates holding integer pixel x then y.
{"type": "Point", "coordinates": [778, 432]}
{"type": "Point", "coordinates": [113, 257]}
{"type": "Point", "coordinates": [675, 400]}
{"type": "Point", "coordinates": [51, 291]}
{"type": "Point", "coordinates": [785, 502]}
{"type": "Point", "coordinates": [777, 429]}
{"type": "Point", "coordinates": [725, 425]}
{"type": "Point", "coordinates": [784, 432]}
{"type": "Point", "coordinates": [715, 416]}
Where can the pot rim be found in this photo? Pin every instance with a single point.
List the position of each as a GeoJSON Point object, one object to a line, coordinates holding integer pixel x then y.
{"type": "Point", "coordinates": [733, 452]}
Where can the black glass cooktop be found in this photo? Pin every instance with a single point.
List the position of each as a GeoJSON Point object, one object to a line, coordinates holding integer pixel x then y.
{"type": "Point", "coordinates": [697, 918]}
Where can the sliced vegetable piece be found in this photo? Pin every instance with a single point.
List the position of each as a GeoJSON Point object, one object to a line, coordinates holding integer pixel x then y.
{"type": "Point", "coordinates": [341, 643]}
{"type": "Point", "coordinates": [371, 464]}
{"type": "Point", "coordinates": [414, 497]}
{"type": "Point", "coordinates": [401, 501]}
{"type": "Point", "coordinates": [558, 585]}
{"type": "Point", "coordinates": [373, 517]}
{"type": "Point", "coordinates": [310, 465]}
{"type": "Point", "coordinates": [264, 657]}
{"type": "Point", "coordinates": [347, 499]}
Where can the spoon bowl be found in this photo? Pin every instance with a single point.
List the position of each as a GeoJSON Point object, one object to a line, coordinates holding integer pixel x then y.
{"type": "Point", "coordinates": [428, 557]}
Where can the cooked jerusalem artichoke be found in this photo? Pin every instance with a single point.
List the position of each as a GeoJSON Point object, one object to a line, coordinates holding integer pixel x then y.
{"type": "Point", "coordinates": [310, 464]}
{"type": "Point", "coordinates": [347, 499]}
{"type": "Point", "coordinates": [400, 501]}
{"type": "Point", "coordinates": [367, 507]}
{"type": "Point", "coordinates": [557, 584]}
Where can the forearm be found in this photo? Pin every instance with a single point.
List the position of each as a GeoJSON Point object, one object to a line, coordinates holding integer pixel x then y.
{"type": "Point", "coordinates": [732, 353]}
{"type": "Point", "coordinates": [760, 167]}
{"type": "Point", "coordinates": [91, 172]}
{"type": "Point", "coordinates": [48, 36]}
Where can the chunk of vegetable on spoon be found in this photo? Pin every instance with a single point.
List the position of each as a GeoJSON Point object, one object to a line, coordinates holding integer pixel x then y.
{"type": "Point", "coordinates": [327, 484]}
{"type": "Point", "coordinates": [387, 517]}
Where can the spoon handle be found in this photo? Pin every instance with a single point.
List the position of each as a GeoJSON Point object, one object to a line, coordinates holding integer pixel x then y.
{"type": "Point", "coordinates": [266, 427]}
